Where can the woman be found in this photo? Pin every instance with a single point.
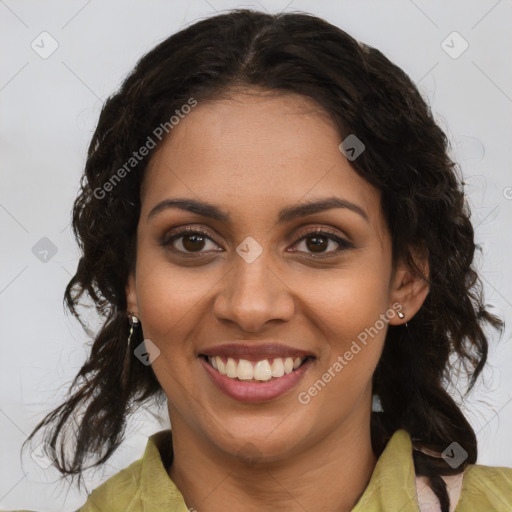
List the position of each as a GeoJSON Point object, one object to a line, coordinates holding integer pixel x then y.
{"type": "Point", "coordinates": [276, 239]}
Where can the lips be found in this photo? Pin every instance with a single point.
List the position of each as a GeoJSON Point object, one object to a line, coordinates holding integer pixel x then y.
{"type": "Point", "coordinates": [255, 373]}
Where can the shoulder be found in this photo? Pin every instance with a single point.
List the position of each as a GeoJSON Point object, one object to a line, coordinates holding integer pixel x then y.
{"type": "Point", "coordinates": [486, 488]}
{"type": "Point", "coordinates": [144, 485]}
{"type": "Point", "coordinates": [118, 492]}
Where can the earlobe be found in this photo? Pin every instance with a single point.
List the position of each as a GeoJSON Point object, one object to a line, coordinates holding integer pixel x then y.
{"type": "Point", "coordinates": [131, 295]}
{"type": "Point", "coordinates": [410, 290]}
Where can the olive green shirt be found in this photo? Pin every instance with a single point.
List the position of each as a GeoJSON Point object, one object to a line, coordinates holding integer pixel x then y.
{"type": "Point", "coordinates": [145, 486]}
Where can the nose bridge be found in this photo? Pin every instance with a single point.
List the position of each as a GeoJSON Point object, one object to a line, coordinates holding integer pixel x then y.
{"type": "Point", "coordinates": [252, 267]}
{"type": "Point", "coordinates": [252, 293]}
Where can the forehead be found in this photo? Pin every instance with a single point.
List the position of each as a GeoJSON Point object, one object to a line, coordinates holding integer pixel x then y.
{"type": "Point", "coordinates": [252, 152]}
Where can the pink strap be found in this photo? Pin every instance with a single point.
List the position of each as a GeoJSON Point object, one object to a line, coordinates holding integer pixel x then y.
{"type": "Point", "coordinates": [428, 501]}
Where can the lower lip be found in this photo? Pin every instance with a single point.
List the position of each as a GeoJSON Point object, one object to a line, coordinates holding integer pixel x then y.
{"type": "Point", "coordinates": [254, 391]}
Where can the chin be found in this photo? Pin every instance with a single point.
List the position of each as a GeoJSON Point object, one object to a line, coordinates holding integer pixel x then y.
{"type": "Point", "coordinates": [255, 446]}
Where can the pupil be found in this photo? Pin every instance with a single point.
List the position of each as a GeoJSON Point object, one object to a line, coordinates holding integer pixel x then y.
{"type": "Point", "coordinates": [194, 238]}
{"type": "Point", "coordinates": [319, 242]}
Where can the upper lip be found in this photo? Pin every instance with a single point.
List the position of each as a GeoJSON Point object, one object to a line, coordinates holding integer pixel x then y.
{"type": "Point", "coordinates": [253, 352]}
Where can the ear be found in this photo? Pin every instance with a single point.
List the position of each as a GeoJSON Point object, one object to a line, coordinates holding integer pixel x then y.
{"type": "Point", "coordinates": [131, 295]}
{"type": "Point", "coordinates": [408, 288]}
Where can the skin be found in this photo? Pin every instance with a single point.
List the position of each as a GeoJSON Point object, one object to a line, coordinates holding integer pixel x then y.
{"type": "Point", "coordinates": [252, 155]}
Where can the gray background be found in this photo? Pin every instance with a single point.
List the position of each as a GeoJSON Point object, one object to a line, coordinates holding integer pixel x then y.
{"type": "Point", "coordinates": [49, 108]}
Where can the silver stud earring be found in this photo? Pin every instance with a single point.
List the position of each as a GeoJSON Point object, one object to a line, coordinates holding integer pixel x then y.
{"type": "Point", "coordinates": [401, 315]}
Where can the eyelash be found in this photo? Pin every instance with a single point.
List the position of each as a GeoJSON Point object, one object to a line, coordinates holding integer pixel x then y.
{"type": "Point", "coordinates": [344, 244]}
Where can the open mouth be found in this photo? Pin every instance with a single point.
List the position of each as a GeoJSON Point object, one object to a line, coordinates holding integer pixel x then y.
{"type": "Point", "coordinates": [263, 370]}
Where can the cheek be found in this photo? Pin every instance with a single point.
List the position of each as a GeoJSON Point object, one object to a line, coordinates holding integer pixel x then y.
{"type": "Point", "coordinates": [351, 310]}
{"type": "Point", "coordinates": [348, 301]}
{"type": "Point", "coordinates": [169, 298]}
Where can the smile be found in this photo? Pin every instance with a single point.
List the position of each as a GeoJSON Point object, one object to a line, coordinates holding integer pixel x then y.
{"type": "Point", "coordinates": [263, 370]}
{"type": "Point", "coordinates": [255, 381]}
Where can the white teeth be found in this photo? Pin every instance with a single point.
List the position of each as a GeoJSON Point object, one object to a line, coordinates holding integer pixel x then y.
{"type": "Point", "coordinates": [260, 370]}
{"type": "Point", "coordinates": [231, 368]}
{"type": "Point", "coordinates": [245, 370]}
{"type": "Point", "coordinates": [277, 367]}
{"type": "Point", "coordinates": [221, 367]}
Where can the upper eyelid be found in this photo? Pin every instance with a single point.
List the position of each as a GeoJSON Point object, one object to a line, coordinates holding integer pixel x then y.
{"type": "Point", "coordinates": [299, 232]}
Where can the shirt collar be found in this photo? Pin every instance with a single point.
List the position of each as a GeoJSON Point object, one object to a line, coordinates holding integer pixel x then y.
{"type": "Point", "coordinates": [391, 487]}
{"type": "Point", "coordinates": [158, 491]}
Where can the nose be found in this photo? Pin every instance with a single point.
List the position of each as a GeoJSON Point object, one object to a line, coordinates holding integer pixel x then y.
{"type": "Point", "coordinates": [253, 294]}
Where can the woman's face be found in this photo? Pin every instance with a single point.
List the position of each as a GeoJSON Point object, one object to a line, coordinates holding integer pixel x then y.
{"type": "Point", "coordinates": [252, 279]}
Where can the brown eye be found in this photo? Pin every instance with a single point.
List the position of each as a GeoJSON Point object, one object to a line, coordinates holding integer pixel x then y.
{"type": "Point", "coordinates": [194, 242]}
{"type": "Point", "coordinates": [317, 242]}
{"type": "Point", "coordinates": [188, 241]}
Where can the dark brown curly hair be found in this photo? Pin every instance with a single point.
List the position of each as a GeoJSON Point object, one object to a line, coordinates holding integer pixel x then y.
{"type": "Point", "coordinates": [406, 158]}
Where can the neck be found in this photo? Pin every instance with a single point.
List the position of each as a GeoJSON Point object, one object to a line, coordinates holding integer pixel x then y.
{"type": "Point", "coordinates": [330, 474]}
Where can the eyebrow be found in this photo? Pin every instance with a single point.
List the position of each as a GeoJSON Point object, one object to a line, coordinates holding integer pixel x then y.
{"type": "Point", "coordinates": [285, 215]}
